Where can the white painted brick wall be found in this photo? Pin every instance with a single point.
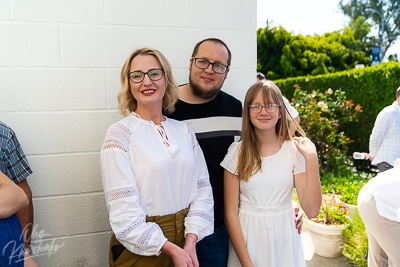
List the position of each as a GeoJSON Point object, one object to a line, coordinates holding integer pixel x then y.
{"type": "Point", "coordinates": [29, 44]}
{"type": "Point", "coordinates": [59, 78]}
{"type": "Point", "coordinates": [60, 89]}
{"type": "Point", "coordinates": [7, 98]}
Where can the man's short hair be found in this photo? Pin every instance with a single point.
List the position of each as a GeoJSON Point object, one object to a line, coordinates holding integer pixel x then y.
{"type": "Point", "coordinates": [215, 40]}
{"type": "Point", "coordinates": [398, 93]}
{"type": "Point", "coordinates": [260, 76]}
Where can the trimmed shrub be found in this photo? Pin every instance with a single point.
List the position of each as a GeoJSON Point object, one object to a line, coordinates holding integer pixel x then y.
{"type": "Point", "coordinates": [373, 88]}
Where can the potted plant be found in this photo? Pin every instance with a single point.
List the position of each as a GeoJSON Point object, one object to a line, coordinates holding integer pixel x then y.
{"type": "Point", "coordinates": [346, 187]}
{"type": "Point", "coordinates": [326, 229]}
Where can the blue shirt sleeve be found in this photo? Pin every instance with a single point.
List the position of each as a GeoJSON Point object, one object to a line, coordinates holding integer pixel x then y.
{"type": "Point", "coordinates": [13, 162]}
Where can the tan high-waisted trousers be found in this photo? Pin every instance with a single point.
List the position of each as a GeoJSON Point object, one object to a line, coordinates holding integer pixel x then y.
{"type": "Point", "coordinates": [173, 228]}
{"type": "Point", "coordinates": [383, 234]}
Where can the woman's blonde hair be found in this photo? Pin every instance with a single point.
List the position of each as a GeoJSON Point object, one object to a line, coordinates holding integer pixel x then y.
{"type": "Point", "coordinates": [250, 158]}
{"type": "Point", "coordinates": [127, 103]}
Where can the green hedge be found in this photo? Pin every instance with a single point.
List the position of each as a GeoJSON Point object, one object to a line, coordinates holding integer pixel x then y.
{"type": "Point", "coordinates": [372, 87]}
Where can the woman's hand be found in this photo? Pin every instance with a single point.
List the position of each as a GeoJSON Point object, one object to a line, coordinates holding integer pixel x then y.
{"type": "Point", "coordinates": [305, 146]}
{"type": "Point", "coordinates": [179, 256]}
{"type": "Point", "coordinates": [190, 248]}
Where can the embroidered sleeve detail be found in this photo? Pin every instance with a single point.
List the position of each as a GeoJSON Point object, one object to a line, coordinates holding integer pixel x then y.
{"type": "Point", "coordinates": [138, 251]}
{"type": "Point", "coordinates": [118, 136]}
{"type": "Point", "coordinates": [130, 228]}
{"type": "Point", "coordinates": [201, 214]}
{"type": "Point", "coordinates": [193, 135]}
{"type": "Point", "coordinates": [203, 183]}
{"type": "Point", "coordinates": [120, 193]}
{"type": "Point", "coordinates": [145, 237]}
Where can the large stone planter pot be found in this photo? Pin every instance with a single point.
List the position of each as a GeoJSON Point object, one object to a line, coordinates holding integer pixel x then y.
{"type": "Point", "coordinates": [327, 239]}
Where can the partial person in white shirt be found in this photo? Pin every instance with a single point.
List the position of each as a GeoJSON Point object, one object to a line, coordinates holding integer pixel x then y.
{"type": "Point", "coordinates": [292, 111]}
{"type": "Point", "coordinates": [155, 178]}
{"type": "Point", "coordinates": [384, 142]}
{"type": "Point", "coordinates": [379, 208]}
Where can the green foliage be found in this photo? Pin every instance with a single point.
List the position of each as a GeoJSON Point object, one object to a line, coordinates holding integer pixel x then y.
{"type": "Point", "coordinates": [388, 8]}
{"type": "Point", "coordinates": [346, 186]}
{"type": "Point", "coordinates": [281, 54]}
{"type": "Point", "coordinates": [373, 88]}
{"type": "Point", "coordinates": [355, 241]}
{"type": "Point", "coordinates": [332, 212]}
{"type": "Point", "coordinates": [393, 58]}
{"type": "Point", "coordinates": [321, 116]}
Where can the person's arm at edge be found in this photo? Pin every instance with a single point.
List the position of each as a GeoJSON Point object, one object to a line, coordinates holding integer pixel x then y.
{"type": "Point", "coordinates": [231, 200]}
{"type": "Point", "coordinates": [12, 198]}
{"type": "Point", "coordinates": [25, 215]}
{"type": "Point", "coordinates": [308, 185]}
{"type": "Point", "coordinates": [376, 137]}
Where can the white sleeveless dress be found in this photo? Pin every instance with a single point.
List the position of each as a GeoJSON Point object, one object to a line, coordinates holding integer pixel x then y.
{"type": "Point", "coordinates": [265, 209]}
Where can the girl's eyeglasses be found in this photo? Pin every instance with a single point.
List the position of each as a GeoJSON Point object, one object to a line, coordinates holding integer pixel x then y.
{"type": "Point", "coordinates": [258, 108]}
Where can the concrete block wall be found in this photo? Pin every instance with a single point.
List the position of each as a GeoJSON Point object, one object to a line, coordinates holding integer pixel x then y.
{"type": "Point", "coordinates": [59, 78]}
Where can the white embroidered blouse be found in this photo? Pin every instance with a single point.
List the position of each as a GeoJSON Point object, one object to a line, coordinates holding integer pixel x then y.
{"type": "Point", "coordinates": [149, 170]}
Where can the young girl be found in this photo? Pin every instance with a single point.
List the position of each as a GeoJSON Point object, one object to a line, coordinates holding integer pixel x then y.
{"type": "Point", "coordinates": [260, 173]}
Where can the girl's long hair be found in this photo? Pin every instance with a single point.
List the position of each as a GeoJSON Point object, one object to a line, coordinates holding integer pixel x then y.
{"type": "Point", "coordinates": [250, 158]}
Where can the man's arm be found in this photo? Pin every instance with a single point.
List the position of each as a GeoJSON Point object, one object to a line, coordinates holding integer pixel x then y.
{"type": "Point", "coordinates": [26, 215]}
{"type": "Point", "coordinates": [382, 123]}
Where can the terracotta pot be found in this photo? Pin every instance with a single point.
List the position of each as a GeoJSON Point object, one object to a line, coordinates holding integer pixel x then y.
{"type": "Point", "coordinates": [327, 239]}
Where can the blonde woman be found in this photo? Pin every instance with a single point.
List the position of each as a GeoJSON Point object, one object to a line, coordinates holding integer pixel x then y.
{"type": "Point", "coordinates": [260, 174]}
{"type": "Point", "coordinates": [155, 178]}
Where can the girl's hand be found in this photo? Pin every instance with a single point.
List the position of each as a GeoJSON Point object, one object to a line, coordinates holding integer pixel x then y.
{"type": "Point", "coordinates": [305, 146]}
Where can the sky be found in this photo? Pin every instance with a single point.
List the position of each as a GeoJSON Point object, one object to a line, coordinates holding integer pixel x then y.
{"type": "Point", "coordinates": [306, 17]}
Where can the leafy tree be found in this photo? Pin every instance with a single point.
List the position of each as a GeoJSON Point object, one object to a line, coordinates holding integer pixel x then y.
{"type": "Point", "coordinates": [282, 54]}
{"type": "Point", "coordinates": [390, 9]}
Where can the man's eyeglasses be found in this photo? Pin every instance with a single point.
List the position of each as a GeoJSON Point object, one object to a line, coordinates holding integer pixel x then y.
{"type": "Point", "coordinates": [138, 76]}
{"type": "Point", "coordinates": [203, 64]}
{"type": "Point", "coordinates": [258, 108]}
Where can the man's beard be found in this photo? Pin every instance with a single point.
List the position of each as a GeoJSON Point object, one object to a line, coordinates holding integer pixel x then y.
{"type": "Point", "coordinates": [198, 91]}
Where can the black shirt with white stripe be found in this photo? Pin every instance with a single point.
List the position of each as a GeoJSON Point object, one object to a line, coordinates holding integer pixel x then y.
{"type": "Point", "coordinates": [217, 124]}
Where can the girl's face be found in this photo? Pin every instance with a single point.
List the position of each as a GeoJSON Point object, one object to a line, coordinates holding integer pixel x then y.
{"type": "Point", "coordinates": [263, 120]}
